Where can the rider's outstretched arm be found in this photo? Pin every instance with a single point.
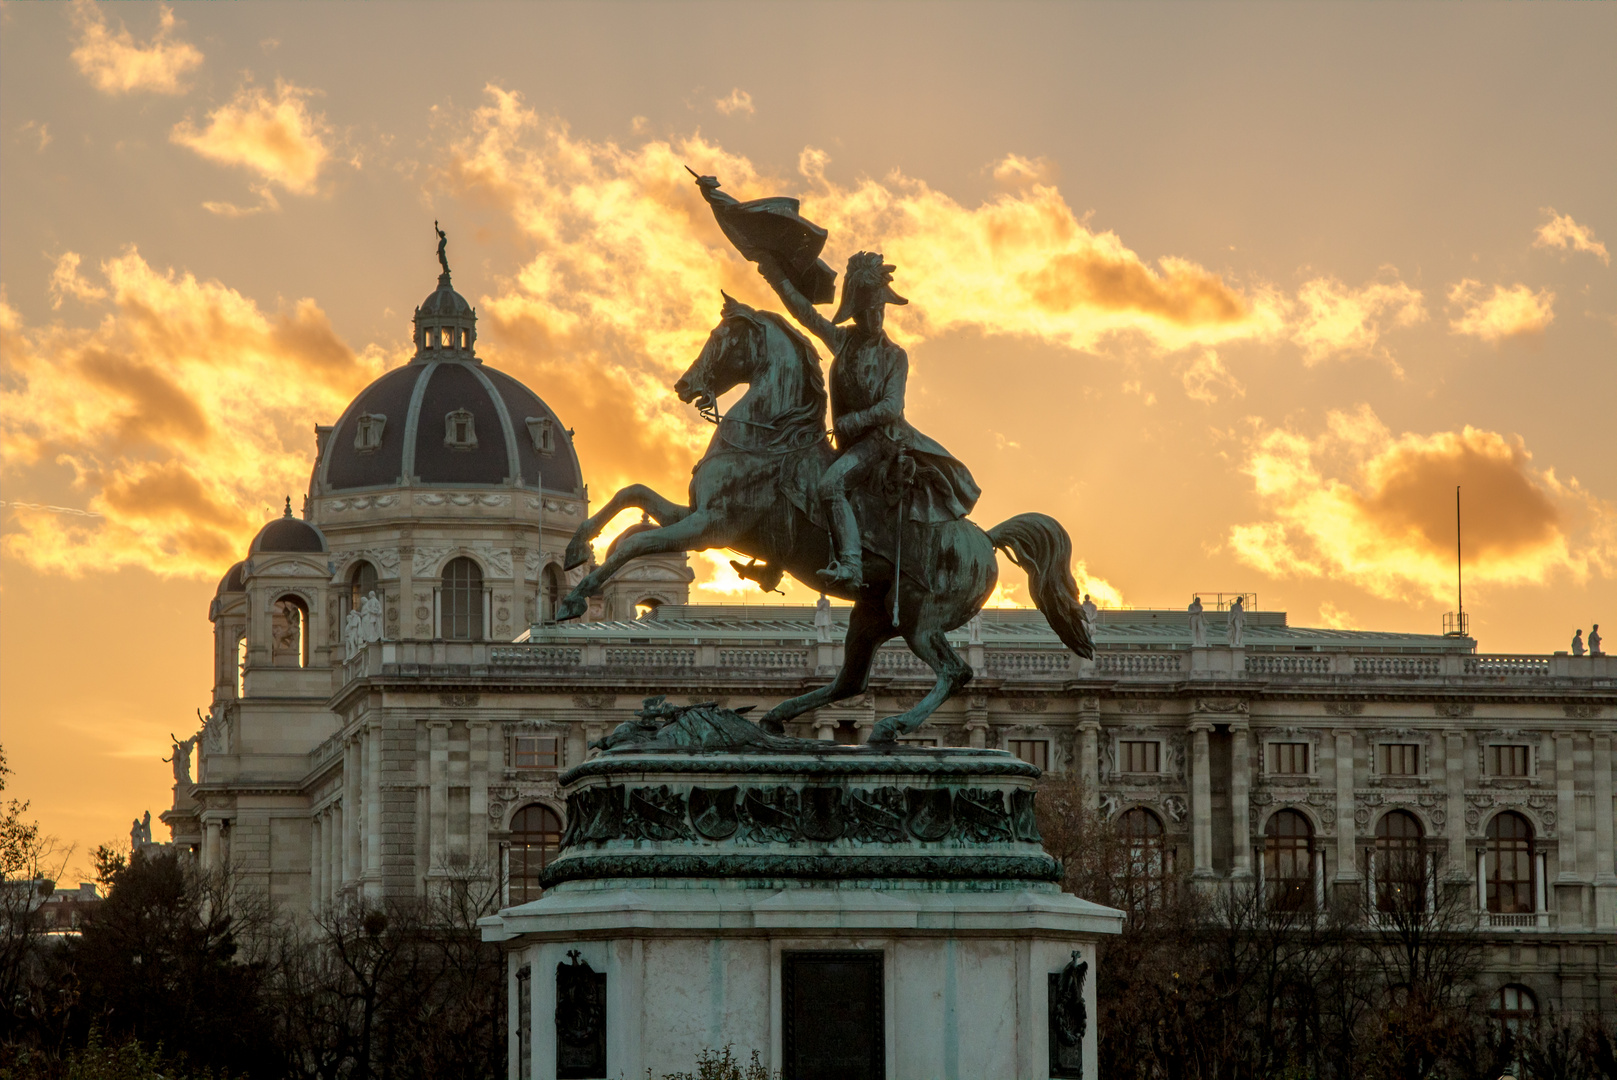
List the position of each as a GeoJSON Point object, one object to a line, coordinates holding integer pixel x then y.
{"type": "Point", "coordinates": [798, 304]}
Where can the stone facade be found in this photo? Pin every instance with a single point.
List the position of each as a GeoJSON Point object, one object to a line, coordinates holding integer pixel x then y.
{"type": "Point", "coordinates": [331, 769]}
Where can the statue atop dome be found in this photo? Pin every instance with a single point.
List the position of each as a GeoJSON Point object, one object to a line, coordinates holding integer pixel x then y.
{"type": "Point", "coordinates": [443, 244]}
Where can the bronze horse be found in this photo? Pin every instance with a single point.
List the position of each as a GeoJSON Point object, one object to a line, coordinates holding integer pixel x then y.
{"type": "Point", "coordinates": [753, 491]}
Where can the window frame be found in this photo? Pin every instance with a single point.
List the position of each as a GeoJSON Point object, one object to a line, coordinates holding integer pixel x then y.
{"type": "Point", "coordinates": [1525, 850]}
{"type": "Point", "coordinates": [1273, 754]}
{"type": "Point", "coordinates": [538, 763]}
{"type": "Point", "coordinates": [1292, 891]}
{"type": "Point", "coordinates": [1493, 757]}
{"type": "Point", "coordinates": [1125, 757]}
{"type": "Point", "coordinates": [1384, 758]}
{"type": "Point", "coordinates": [1043, 764]}
{"type": "Point", "coordinates": [516, 893]}
{"type": "Point", "coordinates": [472, 590]}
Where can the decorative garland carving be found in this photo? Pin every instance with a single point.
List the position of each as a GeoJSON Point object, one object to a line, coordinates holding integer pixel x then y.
{"type": "Point", "coordinates": [1344, 708]}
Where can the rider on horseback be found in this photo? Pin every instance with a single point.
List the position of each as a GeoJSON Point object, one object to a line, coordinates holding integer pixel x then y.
{"type": "Point", "coordinates": [868, 374]}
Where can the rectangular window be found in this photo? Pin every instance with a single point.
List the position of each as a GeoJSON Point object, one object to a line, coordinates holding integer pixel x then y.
{"type": "Point", "coordinates": [1288, 757]}
{"type": "Point", "coordinates": [1140, 757]}
{"type": "Point", "coordinates": [1035, 752]}
{"type": "Point", "coordinates": [536, 752]}
{"type": "Point", "coordinates": [1507, 761]}
{"type": "Point", "coordinates": [1398, 759]}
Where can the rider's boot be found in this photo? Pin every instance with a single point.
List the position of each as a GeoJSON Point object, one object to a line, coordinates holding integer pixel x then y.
{"type": "Point", "coordinates": [846, 569]}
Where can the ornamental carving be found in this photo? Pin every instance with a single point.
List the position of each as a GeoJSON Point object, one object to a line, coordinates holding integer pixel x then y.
{"type": "Point", "coordinates": [1454, 710]}
{"type": "Point", "coordinates": [1222, 705]}
{"type": "Point", "coordinates": [458, 701]}
{"type": "Point", "coordinates": [1344, 708]}
{"type": "Point", "coordinates": [362, 502]}
{"type": "Point", "coordinates": [1027, 704]}
{"type": "Point", "coordinates": [1582, 711]}
{"type": "Point", "coordinates": [425, 558]}
{"type": "Point", "coordinates": [1140, 707]}
{"type": "Point", "coordinates": [594, 701]}
{"type": "Point", "coordinates": [818, 814]}
{"type": "Point", "coordinates": [1174, 806]}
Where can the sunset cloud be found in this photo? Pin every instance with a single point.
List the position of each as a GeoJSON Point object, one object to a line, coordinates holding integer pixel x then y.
{"type": "Point", "coordinates": [1336, 319]}
{"type": "Point", "coordinates": [272, 135]}
{"type": "Point", "coordinates": [1205, 377]}
{"type": "Point", "coordinates": [117, 65]}
{"type": "Point", "coordinates": [1564, 233]}
{"type": "Point", "coordinates": [624, 284]}
{"type": "Point", "coordinates": [736, 101]}
{"type": "Point", "coordinates": [1357, 504]}
{"type": "Point", "coordinates": [182, 415]}
{"type": "Point", "coordinates": [66, 282]}
{"type": "Point", "coordinates": [1500, 313]}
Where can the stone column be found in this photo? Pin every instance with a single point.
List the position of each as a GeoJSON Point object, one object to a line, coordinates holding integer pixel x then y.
{"type": "Point", "coordinates": [484, 753]}
{"type": "Point", "coordinates": [1605, 877]}
{"type": "Point", "coordinates": [316, 864]}
{"type": "Point", "coordinates": [339, 849]}
{"type": "Point", "coordinates": [1240, 786]}
{"type": "Point", "coordinates": [210, 845]}
{"type": "Point", "coordinates": [328, 855]}
{"type": "Point", "coordinates": [825, 725]}
{"type": "Point", "coordinates": [351, 828]}
{"type": "Point", "coordinates": [373, 809]}
{"type": "Point", "coordinates": [1346, 868]}
{"type": "Point", "coordinates": [1454, 783]}
{"type": "Point", "coordinates": [1089, 759]}
{"type": "Point", "coordinates": [977, 720]}
{"type": "Point", "coordinates": [1566, 809]}
{"type": "Point", "coordinates": [437, 796]}
{"type": "Point", "coordinates": [1201, 800]}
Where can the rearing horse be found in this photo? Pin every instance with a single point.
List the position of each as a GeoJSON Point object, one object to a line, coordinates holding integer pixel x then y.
{"type": "Point", "coordinates": [753, 491]}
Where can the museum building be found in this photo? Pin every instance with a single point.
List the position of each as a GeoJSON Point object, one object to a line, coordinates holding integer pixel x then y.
{"type": "Point", "coordinates": [393, 702]}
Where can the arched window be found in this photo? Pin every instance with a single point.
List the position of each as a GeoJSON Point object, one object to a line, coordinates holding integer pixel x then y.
{"type": "Point", "coordinates": [1288, 862]}
{"type": "Point", "coordinates": [1149, 861]}
{"type": "Point", "coordinates": [361, 583]}
{"type": "Point", "coordinates": [535, 840]}
{"type": "Point", "coordinates": [241, 666]}
{"type": "Point", "coordinates": [1400, 863]}
{"type": "Point", "coordinates": [1509, 865]}
{"type": "Point", "coordinates": [1513, 1008]}
{"type": "Point", "coordinates": [463, 600]}
{"type": "Point", "coordinates": [549, 593]}
{"type": "Point", "coordinates": [646, 607]}
{"type": "Point", "coordinates": [289, 633]}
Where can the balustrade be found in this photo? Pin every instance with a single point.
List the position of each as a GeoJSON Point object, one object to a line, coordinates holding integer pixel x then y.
{"type": "Point", "coordinates": [1397, 665]}
{"type": "Point", "coordinates": [1138, 663]}
{"type": "Point", "coordinates": [539, 656]}
{"type": "Point", "coordinates": [1046, 662]}
{"type": "Point", "coordinates": [1284, 664]}
{"type": "Point", "coordinates": [769, 659]}
{"type": "Point", "coordinates": [1507, 665]}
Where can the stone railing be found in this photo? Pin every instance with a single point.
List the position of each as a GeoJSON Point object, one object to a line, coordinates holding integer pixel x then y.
{"type": "Point", "coordinates": [768, 659]}
{"type": "Point", "coordinates": [1398, 665]}
{"type": "Point", "coordinates": [1138, 663]}
{"type": "Point", "coordinates": [1289, 664]}
{"type": "Point", "coordinates": [1506, 665]}
{"type": "Point", "coordinates": [899, 662]}
{"type": "Point", "coordinates": [1521, 920]}
{"type": "Point", "coordinates": [1044, 662]}
{"type": "Point", "coordinates": [536, 656]}
{"type": "Point", "coordinates": [646, 656]}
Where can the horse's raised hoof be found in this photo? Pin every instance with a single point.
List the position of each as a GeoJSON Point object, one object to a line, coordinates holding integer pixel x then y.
{"type": "Point", "coordinates": [885, 733]}
{"type": "Point", "coordinates": [578, 551]}
{"type": "Point", "coordinates": [572, 607]}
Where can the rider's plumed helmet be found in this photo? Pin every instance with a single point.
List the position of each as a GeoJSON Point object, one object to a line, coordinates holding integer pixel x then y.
{"type": "Point", "coordinates": [867, 272]}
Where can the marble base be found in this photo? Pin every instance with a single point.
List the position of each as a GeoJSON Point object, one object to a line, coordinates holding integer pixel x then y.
{"type": "Point", "coordinates": [693, 966]}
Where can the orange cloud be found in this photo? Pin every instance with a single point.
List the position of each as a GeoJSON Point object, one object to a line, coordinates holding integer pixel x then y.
{"type": "Point", "coordinates": [1335, 318]}
{"type": "Point", "coordinates": [736, 101]}
{"type": "Point", "coordinates": [116, 65]}
{"type": "Point", "coordinates": [182, 415]}
{"type": "Point", "coordinates": [1564, 233]}
{"type": "Point", "coordinates": [1205, 375]}
{"type": "Point", "coordinates": [274, 136]}
{"type": "Point", "coordinates": [1502, 313]}
{"type": "Point", "coordinates": [65, 282]}
{"type": "Point", "coordinates": [1359, 505]}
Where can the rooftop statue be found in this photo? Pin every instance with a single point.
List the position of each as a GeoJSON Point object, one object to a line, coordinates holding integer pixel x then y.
{"type": "Point", "coordinates": [443, 245]}
{"type": "Point", "coordinates": [879, 519]}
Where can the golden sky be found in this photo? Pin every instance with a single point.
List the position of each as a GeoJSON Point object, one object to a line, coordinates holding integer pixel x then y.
{"type": "Point", "coordinates": [1239, 293]}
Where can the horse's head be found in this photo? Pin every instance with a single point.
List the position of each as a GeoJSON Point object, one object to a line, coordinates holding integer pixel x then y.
{"type": "Point", "coordinates": [726, 360]}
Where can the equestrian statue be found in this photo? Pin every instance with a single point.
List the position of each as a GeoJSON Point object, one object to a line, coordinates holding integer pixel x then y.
{"type": "Point", "coordinates": [878, 518]}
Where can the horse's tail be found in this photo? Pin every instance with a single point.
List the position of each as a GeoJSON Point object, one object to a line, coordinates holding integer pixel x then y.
{"type": "Point", "coordinates": [1041, 547]}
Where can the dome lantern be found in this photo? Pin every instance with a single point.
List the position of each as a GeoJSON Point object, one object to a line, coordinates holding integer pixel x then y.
{"type": "Point", "coordinates": [445, 324]}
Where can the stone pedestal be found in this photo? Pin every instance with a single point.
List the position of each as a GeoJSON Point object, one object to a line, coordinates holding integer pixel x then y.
{"type": "Point", "coordinates": [844, 911]}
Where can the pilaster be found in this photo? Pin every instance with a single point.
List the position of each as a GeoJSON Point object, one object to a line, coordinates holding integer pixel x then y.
{"type": "Point", "coordinates": [1240, 802]}
{"type": "Point", "coordinates": [1605, 877]}
{"type": "Point", "coordinates": [1201, 800]}
{"type": "Point", "coordinates": [1454, 788]}
{"type": "Point", "coordinates": [1089, 757]}
{"type": "Point", "coordinates": [483, 752]}
{"type": "Point", "coordinates": [437, 796]}
{"type": "Point", "coordinates": [1566, 809]}
{"type": "Point", "coordinates": [1346, 868]}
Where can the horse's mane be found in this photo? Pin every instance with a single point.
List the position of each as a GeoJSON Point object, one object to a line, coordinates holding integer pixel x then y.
{"type": "Point", "coordinates": [812, 374]}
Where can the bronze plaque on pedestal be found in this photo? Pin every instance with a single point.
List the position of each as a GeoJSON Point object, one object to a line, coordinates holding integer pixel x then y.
{"type": "Point", "coordinates": [831, 1016]}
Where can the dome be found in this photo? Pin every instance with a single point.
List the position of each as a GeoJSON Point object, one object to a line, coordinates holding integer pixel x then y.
{"type": "Point", "coordinates": [446, 419]}
{"type": "Point", "coordinates": [288, 534]}
{"type": "Point", "coordinates": [232, 581]}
